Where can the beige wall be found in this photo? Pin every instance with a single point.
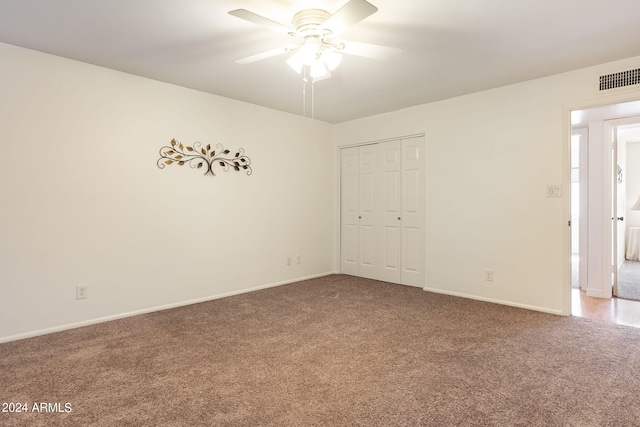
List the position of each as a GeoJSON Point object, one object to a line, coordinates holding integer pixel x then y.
{"type": "Point", "coordinates": [490, 157]}
{"type": "Point", "coordinates": [83, 201]}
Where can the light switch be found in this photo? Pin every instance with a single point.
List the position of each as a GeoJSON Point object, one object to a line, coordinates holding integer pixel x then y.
{"type": "Point", "coordinates": [554, 191]}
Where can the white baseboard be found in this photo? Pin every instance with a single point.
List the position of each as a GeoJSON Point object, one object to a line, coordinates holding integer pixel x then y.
{"type": "Point", "coordinates": [153, 309]}
{"type": "Point", "coordinates": [493, 300]}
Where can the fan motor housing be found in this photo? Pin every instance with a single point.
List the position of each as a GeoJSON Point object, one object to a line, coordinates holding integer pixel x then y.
{"type": "Point", "coordinates": [308, 22]}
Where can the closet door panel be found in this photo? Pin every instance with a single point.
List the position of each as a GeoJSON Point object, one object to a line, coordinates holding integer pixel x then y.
{"type": "Point", "coordinates": [349, 211]}
{"type": "Point", "coordinates": [350, 250]}
{"type": "Point", "coordinates": [367, 253]}
{"type": "Point", "coordinates": [411, 190]}
{"type": "Point", "coordinates": [390, 254]}
{"type": "Point", "coordinates": [411, 239]}
{"type": "Point", "coordinates": [413, 212]}
{"type": "Point", "coordinates": [389, 183]}
{"type": "Point", "coordinates": [368, 216]}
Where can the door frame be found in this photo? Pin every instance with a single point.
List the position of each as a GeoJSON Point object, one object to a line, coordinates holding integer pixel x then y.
{"type": "Point", "coordinates": [583, 211]}
{"type": "Point", "coordinates": [598, 100]}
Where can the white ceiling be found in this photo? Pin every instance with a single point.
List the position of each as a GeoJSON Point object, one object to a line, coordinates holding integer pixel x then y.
{"type": "Point", "coordinates": [449, 47]}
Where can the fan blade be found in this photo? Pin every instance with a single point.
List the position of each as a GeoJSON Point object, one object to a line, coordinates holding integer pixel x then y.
{"type": "Point", "coordinates": [266, 54]}
{"type": "Point", "coordinates": [349, 15]}
{"type": "Point", "coordinates": [368, 50]}
{"type": "Point", "coordinates": [262, 21]}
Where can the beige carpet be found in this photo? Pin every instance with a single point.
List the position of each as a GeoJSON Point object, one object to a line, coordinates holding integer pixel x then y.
{"type": "Point", "coordinates": [331, 351]}
{"type": "Point", "coordinates": [629, 280]}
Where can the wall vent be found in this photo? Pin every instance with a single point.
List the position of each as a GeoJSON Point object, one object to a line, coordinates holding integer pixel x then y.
{"type": "Point", "coordinates": [621, 79]}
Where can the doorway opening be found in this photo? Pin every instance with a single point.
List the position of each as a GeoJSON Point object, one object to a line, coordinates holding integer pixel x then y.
{"type": "Point", "coordinates": [626, 206]}
{"type": "Point", "coordinates": [605, 227]}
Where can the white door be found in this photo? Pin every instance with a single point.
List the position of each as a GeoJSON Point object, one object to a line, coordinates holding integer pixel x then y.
{"type": "Point", "coordinates": [413, 212]}
{"type": "Point", "coordinates": [349, 223]}
{"type": "Point", "coordinates": [614, 210]}
{"type": "Point", "coordinates": [390, 231]}
{"type": "Point", "coordinates": [579, 204]}
{"type": "Point", "coordinates": [368, 216]}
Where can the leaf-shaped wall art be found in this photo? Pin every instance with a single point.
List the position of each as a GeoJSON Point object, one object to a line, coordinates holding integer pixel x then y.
{"type": "Point", "coordinates": [197, 156]}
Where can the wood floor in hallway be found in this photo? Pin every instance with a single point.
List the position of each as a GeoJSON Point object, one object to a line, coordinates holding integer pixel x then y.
{"type": "Point", "coordinates": [614, 310]}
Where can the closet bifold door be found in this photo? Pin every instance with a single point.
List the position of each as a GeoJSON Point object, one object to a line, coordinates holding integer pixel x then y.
{"type": "Point", "coordinates": [349, 211]}
{"type": "Point", "coordinates": [413, 211]}
{"type": "Point", "coordinates": [359, 211]}
{"type": "Point", "coordinates": [390, 230]}
{"type": "Point", "coordinates": [382, 213]}
{"type": "Point", "coordinates": [402, 212]}
{"type": "Point", "coordinates": [368, 215]}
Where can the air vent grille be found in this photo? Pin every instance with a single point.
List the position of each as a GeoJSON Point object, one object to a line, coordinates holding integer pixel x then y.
{"type": "Point", "coordinates": [621, 79]}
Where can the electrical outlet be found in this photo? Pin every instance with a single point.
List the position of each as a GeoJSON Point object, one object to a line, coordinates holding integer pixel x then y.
{"type": "Point", "coordinates": [288, 260]}
{"type": "Point", "coordinates": [81, 291]}
{"type": "Point", "coordinates": [298, 259]}
{"type": "Point", "coordinates": [488, 275]}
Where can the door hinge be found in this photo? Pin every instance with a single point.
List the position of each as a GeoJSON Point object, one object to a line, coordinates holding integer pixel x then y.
{"type": "Point", "coordinates": [569, 223]}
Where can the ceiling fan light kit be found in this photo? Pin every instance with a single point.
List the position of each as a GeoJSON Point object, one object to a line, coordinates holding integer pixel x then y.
{"type": "Point", "coordinates": [319, 60]}
{"type": "Point", "coordinates": [317, 52]}
{"type": "Point", "coordinates": [316, 31]}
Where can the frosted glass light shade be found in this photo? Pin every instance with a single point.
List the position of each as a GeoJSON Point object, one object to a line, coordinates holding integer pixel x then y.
{"type": "Point", "coordinates": [332, 59]}
{"type": "Point", "coordinates": [320, 60]}
{"type": "Point", "coordinates": [318, 69]}
{"type": "Point", "coordinates": [296, 63]}
{"type": "Point", "coordinates": [305, 55]}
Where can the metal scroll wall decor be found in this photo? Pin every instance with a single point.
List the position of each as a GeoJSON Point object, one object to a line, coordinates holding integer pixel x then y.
{"type": "Point", "coordinates": [199, 157]}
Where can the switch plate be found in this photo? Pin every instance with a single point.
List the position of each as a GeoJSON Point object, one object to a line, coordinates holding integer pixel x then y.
{"type": "Point", "coordinates": [554, 190]}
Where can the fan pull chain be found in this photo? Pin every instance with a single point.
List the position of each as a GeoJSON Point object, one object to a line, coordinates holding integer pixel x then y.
{"type": "Point", "coordinates": [306, 80]}
{"type": "Point", "coordinates": [304, 94]}
{"type": "Point", "coordinates": [313, 91]}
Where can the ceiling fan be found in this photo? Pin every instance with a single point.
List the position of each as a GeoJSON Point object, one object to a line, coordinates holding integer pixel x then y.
{"type": "Point", "coordinates": [316, 30]}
